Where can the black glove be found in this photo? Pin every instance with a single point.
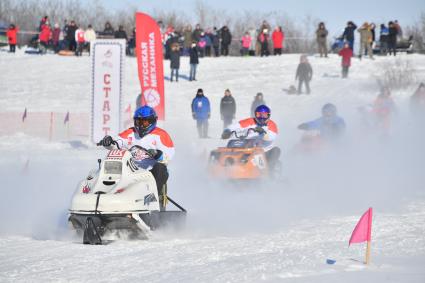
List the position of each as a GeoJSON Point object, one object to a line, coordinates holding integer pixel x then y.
{"type": "Point", "coordinates": [226, 134]}
{"type": "Point", "coordinates": [303, 126]}
{"type": "Point", "coordinates": [106, 141]}
{"type": "Point", "coordinates": [260, 130]}
{"type": "Point", "coordinates": [152, 152]}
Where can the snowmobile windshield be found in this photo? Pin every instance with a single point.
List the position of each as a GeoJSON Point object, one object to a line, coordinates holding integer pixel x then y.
{"type": "Point", "coordinates": [113, 167]}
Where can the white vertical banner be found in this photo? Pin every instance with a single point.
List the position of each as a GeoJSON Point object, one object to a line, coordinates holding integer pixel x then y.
{"type": "Point", "coordinates": [108, 57]}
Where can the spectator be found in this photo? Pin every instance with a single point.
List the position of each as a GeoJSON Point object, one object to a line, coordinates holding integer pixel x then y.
{"type": "Point", "coordinates": [89, 36]}
{"type": "Point", "coordinates": [65, 42]}
{"type": "Point", "coordinates": [202, 44]}
{"type": "Point", "coordinates": [132, 43]}
{"type": "Point", "coordinates": [70, 36]}
{"type": "Point", "coordinates": [194, 61]}
{"type": "Point", "coordinates": [304, 74]}
{"type": "Point", "coordinates": [258, 100]}
{"type": "Point", "coordinates": [44, 37]}
{"type": "Point", "coordinates": [246, 43]}
{"type": "Point", "coordinates": [365, 40]}
{"type": "Point", "coordinates": [79, 37]}
{"type": "Point", "coordinates": [175, 61]}
{"type": "Point", "coordinates": [383, 40]}
{"type": "Point", "coordinates": [108, 30]}
{"type": "Point", "coordinates": [43, 21]}
{"type": "Point", "coordinates": [215, 39]}
{"type": "Point", "coordinates": [121, 34]}
{"type": "Point", "coordinates": [392, 38]}
{"type": "Point", "coordinates": [226, 40]}
{"type": "Point", "coordinates": [187, 39]}
{"type": "Point", "coordinates": [209, 42]}
{"type": "Point", "coordinates": [265, 25]}
{"type": "Point", "coordinates": [263, 38]}
{"type": "Point", "coordinates": [278, 36]}
{"type": "Point", "coordinates": [227, 108]}
{"type": "Point", "coordinates": [196, 34]}
{"type": "Point", "coordinates": [346, 53]}
{"type": "Point", "coordinates": [348, 34]}
{"type": "Point", "coordinates": [398, 28]}
{"type": "Point", "coordinates": [56, 37]}
{"type": "Point", "coordinates": [12, 35]}
{"type": "Point", "coordinates": [254, 35]}
{"type": "Point", "coordinates": [372, 30]}
{"type": "Point", "coordinates": [322, 39]}
{"type": "Point", "coordinates": [201, 112]}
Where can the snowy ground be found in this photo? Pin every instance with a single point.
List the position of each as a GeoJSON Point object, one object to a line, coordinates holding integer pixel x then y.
{"type": "Point", "coordinates": [272, 232]}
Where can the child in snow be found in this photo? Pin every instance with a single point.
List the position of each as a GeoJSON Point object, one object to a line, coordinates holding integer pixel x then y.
{"type": "Point", "coordinates": [175, 61]}
{"type": "Point", "coordinates": [304, 74]}
{"type": "Point", "coordinates": [11, 34]}
{"type": "Point", "coordinates": [346, 53]}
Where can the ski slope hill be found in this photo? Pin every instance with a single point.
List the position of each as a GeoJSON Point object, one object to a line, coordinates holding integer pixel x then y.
{"type": "Point", "coordinates": [271, 232]}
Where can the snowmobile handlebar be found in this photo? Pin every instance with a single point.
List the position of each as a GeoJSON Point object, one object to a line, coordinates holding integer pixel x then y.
{"type": "Point", "coordinates": [110, 142]}
{"type": "Point", "coordinates": [243, 136]}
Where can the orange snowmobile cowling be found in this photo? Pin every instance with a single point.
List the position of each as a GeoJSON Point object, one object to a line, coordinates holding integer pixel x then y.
{"type": "Point", "coordinates": [241, 159]}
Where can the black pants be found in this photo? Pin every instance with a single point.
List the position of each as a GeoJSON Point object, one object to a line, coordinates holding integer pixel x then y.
{"type": "Point", "coordinates": [345, 71]}
{"type": "Point", "coordinates": [12, 48]}
{"type": "Point", "coordinates": [176, 73]}
{"type": "Point", "coordinates": [392, 45]}
{"type": "Point", "coordinates": [224, 49]}
{"type": "Point", "coordinates": [216, 51]}
{"type": "Point", "coordinates": [277, 51]}
{"type": "Point", "coordinates": [160, 173]}
{"type": "Point", "coordinates": [307, 85]}
{"type": "Point", "coordinates": [272, 156]}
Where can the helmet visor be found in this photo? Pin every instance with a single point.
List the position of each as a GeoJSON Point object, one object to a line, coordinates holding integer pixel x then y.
{"type": "Point", "coordinates": [262, 115]}
{"type": "Point", "coordinates": [143, 123]}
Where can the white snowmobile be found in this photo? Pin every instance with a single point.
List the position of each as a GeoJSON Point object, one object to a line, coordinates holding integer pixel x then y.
{"type": "Point", "coordinates": [121, 195]}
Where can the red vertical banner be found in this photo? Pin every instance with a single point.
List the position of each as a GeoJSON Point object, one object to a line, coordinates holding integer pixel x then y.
{"type": "Point", "coordinates": [149, 63]}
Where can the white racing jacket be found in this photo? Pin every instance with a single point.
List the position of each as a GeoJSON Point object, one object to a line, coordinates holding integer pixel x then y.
{"type": "Point", "coordinates": [268, 139]}
{"type": "Point", "coordinates": [158, 139]}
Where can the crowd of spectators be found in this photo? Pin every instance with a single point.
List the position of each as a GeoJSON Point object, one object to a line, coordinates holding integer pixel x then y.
{"type": "Point", "coordinates": [210, 41]}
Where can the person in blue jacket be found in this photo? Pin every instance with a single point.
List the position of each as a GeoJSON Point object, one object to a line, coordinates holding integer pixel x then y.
{"type": "Point", "coordinates": [201, 112]}
{"type": "Point", "coordinates": [330, 125]}
{"type": "Point", "coordinates": [348, 34]}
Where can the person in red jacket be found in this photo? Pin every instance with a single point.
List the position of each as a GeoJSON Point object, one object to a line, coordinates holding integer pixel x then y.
{"type": "Point", "coordinates": [278, 36]}
{"type": "Point", "coordinates": [12, 34]}
{"type": "Point", "coordinates": [346, 53]}
{"type": "Point", "coordinates": [44, 37]}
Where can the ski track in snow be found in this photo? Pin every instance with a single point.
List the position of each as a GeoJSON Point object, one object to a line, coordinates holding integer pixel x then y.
{"type": "Point", "coordinates": [272, 233]}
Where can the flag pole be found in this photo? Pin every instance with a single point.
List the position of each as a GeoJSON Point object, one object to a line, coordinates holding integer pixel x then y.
{"type": "Point", "coordinates": [368, 252]}
{"type": "Point", "coordinates": [369, 237]}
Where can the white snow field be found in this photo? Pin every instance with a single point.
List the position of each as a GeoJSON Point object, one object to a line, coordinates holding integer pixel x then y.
{"type": "Point", "coordinates": [264, 232]}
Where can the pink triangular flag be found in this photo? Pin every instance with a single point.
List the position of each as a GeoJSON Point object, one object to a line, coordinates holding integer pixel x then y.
{"type": "Point", "coordinates": [363, 230]}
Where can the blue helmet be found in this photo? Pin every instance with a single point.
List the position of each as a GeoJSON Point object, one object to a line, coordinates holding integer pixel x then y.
{"type": "Point", "coordinates": [145, 120]}
{"type": "Point", "coordinates": [329, 110]}
{"type": "Point", "coordinates": [262, 115]}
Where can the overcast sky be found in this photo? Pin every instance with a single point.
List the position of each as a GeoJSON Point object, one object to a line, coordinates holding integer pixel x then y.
{"type": "Point", "coordinates": [335, 13]}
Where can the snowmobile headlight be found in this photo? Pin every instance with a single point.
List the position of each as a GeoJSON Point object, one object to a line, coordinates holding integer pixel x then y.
{"type": "Point", "coordinates": [244, 158]}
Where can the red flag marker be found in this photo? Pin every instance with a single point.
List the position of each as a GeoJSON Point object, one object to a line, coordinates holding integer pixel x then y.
{"type": "Point", "coordinates": [363, 232]}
